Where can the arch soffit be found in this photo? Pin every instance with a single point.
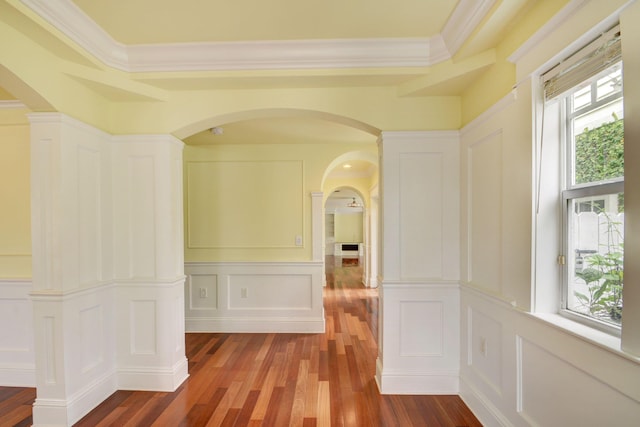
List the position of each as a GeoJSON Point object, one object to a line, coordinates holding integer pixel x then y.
{"type": "Point", "coordinates": [220, 120]}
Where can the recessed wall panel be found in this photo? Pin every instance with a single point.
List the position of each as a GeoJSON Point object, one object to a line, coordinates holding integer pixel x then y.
{"type": "Point", "coordinates": [143, 327]}
{"type": "Point", "coordinates": [250, 204]}
{"type": "Point", "coordinates": [89, 208]}
{"type": "Point", "coordinates": [421, 328]}
{"type": "Point", "coordinates": [485, 348]}
{"type": "Point", "coordinates": [203, 291]}
{"type": "Point", "coordinates": [485, 212]}
{"type": "Point", "coordinates": [270, 292]}
{"type": "Point", "coordinates": [553, 392]}
{"type": "Point", "coordinates": [421, 215]}
{"type": "Point", "coordinates": [142, 224]}
{"type": "Point", "coordinates": [91, 337]}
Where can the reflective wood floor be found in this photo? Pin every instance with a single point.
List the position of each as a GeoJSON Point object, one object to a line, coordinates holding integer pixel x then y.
{"type": "Point", "coordinates": [275, 379]}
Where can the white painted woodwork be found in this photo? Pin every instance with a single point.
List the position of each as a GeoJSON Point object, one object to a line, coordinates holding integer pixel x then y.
{"type": "Point", "coordinates": [521, 362]}
{"type": "Point", "coordinates": [317, 223]}
{"type": "Point", "coordinates": [254, 297]}
{"type": "Point", "coordinates": [419, 303]}
{"type": "Point", "coordinates": [17, 356]}
{"type": "Point", "coordinates": [108, 276]}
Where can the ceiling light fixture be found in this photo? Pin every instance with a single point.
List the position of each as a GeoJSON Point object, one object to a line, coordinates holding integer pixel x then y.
{"type": "Point", "coordinates": [346, 166]}
{"type": "Point", "coordinates": [354, 204]}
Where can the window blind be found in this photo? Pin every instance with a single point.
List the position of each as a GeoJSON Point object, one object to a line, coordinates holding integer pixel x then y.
{"type": "Point", "coordinates": [584, 64]}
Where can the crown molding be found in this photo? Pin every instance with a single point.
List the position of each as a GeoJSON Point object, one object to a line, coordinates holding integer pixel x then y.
{"type": "Point", "coordinates": [295, 54]}
{"type": "Point", "coordinates": [12, 105]}
{"type": "Point", "coordinates": [463, 21]}
{"type": "Point", "coordinates": [71, 21]}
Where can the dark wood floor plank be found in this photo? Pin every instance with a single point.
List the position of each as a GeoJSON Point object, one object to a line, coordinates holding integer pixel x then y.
{"type": "Point", "coordinates": [301, 380]}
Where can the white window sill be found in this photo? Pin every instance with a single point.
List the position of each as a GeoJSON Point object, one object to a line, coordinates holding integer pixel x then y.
{"type": "Point", "coordinates": [586, 333]}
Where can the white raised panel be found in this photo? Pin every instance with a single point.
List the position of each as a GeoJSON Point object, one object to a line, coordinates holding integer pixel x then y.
{"type": "Point", "coordinates": [203, 292]}
{"type": "Point", "coordinates": [256, 297]}
{"type": "Point", "coordinates": [89, 216]}
{"type": "Point", "coordinates": [484, 212]}
{"type": "Point", "coordinates": [91, 337]}
{"type": "Point", "coordinates": [585, 400]}
{"type": "Point", "coordinates": [421, 328]}
{"type": "Point", "coordinates": [270, 292]}
{"type": "Point", "coordinates": [484, 349]}
{"type": "Point", "coordinates": [143, 327]}
{"type": "Point", "coordinates": [17, 358]}
{"type": "Point", "coordinates": [142, 224]}
{"type": "Point", "coordinates": [421, 214]}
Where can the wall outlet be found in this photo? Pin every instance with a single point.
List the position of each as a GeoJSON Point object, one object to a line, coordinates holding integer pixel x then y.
{"type": "Point", "coordinates": [203, 292]}
{"type": "Point", "coordinates": [243, 292]}
{"type": "Point", "coordinates": [298, 240]}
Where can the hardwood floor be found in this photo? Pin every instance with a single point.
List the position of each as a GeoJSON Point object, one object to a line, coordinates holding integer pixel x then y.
{"type": "Point", "coordinates": [275, 379]}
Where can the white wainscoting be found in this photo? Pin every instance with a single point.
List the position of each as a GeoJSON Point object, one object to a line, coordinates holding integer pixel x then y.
{"type": "Point", "coordinates": [519, 370]}
{"type": "Point", "coordinates": [421, 332]}
{"type": "Point", "coordinates": [17, 356]}
{"type": "Point", "coordinates": [254, 297]}
{"type": "Point", "coordinates": [75, 339]}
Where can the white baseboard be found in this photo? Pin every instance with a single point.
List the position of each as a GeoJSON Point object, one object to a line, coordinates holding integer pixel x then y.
{"type": "Point", "coordinates": [481, 407]}
{"type": "Point", "coordinates": [416, 383]}
{"type": "Point", "coordinates": [17, 376]}
{"type": "Point", "coordinates": [59, 412]}
{"type": "Point", "coordinates": [256, 325]}
{"type": "Point", "coordinates": [144, 378]}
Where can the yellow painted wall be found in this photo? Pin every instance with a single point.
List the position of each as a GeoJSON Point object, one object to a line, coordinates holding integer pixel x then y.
{"type": "Point", "coordinates": [15, 214]}
{"type": "Point", "coordinates": [500, 79]}
{"type": "Point", "coordinates": [249, 202]}
{"type": "Point", "coordinates": [348, 227]}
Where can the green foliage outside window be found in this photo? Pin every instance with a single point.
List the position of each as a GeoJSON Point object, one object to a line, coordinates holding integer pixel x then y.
{"type": "Point", "coordinates": [600, 153]}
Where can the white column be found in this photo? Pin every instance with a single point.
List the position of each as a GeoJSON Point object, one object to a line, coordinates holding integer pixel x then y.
{"type": "Point", "coordinates": [317, 224]}
{"type": "Point", "coordinates": [73, 289]}
{"type": "Point", "coordinates": [107, 266]}
{"type": "Point", "coordinates": [149, 262]}
{"type": "Point", "coordinates": [419, 295]}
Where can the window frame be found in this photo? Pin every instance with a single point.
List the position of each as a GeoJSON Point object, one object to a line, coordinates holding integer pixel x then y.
{"type": "Point", "coordinates": [570, 191]}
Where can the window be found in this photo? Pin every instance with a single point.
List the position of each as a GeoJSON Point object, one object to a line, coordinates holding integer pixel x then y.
{"type": "Point", "coordinates": [588, 88]}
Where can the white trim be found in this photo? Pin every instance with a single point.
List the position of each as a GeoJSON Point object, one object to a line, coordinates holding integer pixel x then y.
{"type": "Point", "coordinates": [51, 412]}
{"type": "Point", "coordinates": [153, 379]}
{"type": "Point", "coordinates": [280, 55]}
{"type": "Point", "coordinates": [440, 382]}
{"type": "Point", "coordinates": [481, 406]}
{"type": "Point", "coordinates": [12, 105]}
{"type": "Point", "coordinates": [71, 21]}
{"type": "Point", "coordinates": [82, 30]}
{"type": "Point", "coordinates": [255, 325]}
{"type": "Point", "coordinates": [463, 21]}
{"type": "Point", "coordinates": [17, 375]}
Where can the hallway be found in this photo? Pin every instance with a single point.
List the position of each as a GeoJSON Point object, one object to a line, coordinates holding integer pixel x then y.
{"type": "Point", "coordinates": [276, 379]}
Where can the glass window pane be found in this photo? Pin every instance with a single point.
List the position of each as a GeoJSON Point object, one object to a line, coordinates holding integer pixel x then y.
{"type": "Point", "coordinates": [595, 261]}
{"type": "Point", "coordinates": [598, 147]}
{"type": "Point", "coordinates": [609, 84]}
{"type": "Point", "coordinates": [582, 97]}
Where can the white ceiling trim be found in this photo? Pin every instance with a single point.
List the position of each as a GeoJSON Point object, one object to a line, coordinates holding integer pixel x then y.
{"type": "Point", "coordinates": [68, 18]}
{"type": "Point", "coordinates": [297, 54]}
{"type": "Point", "coordinates": [463, 21]}
{"type": "Point", "coordinates": [11, 105]}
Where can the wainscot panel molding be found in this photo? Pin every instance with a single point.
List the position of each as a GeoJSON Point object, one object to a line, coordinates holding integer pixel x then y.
{"type": "Point", "coordinates": [17, 357]}
{"type": "Point", "coordinates": [511, 360]}
{"type": "Point", "coordinates": [421, 332]}
{"type": "Point", "coordinates": [254, 297]}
